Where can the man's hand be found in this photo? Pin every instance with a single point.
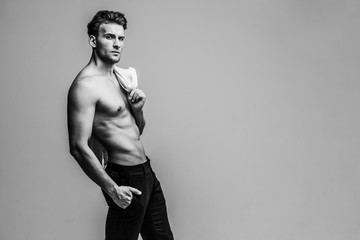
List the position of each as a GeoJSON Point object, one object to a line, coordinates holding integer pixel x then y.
{"type": "Point", "coordinates": [124, 195]}
{"type": "Point", "coordinates": [136, 99]}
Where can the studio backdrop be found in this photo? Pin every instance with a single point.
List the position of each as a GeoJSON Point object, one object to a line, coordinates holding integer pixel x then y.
{"type": "Point", "coordinates": [252, 116]}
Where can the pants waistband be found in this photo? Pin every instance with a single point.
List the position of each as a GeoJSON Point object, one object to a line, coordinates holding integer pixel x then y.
{"type": "Point", "coordinates": [129, 169]}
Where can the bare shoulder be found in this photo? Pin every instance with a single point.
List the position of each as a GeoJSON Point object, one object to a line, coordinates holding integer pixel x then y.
{"type": "Point", "coordinates": [84, 87]}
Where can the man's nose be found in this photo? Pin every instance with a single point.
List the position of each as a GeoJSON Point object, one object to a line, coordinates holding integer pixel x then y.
{"type": "Point", "coordinates": [117, 43]}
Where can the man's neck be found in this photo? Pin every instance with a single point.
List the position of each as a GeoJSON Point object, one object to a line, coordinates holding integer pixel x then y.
{"type": "Point", "coordinates": [101, 66]}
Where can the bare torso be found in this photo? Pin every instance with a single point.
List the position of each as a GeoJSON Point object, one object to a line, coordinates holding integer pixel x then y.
{"type": "Point", "coordinates": [114, 125]}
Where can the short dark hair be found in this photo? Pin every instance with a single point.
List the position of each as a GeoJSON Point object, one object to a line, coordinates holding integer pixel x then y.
{"type": "Point", "coordinates": [105, 16]}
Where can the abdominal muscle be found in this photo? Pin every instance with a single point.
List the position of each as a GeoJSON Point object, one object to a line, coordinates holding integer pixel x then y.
{"type": "Point", "coordinates": [121, 141]}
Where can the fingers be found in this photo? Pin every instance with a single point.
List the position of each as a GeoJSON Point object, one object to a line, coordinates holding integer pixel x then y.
{"type": "Point", "coordinates": [131, 95]}
{"type": "Point", "coordinates": [135, 191]}
{"type": "Point", "coordinates": [125, 196]}
{"type": "Point", "coordinates": [128, 194]}
{"type": "Point", "coordinates": [128, 197]}
{"type": "Point", "coordinates": [135, 95]}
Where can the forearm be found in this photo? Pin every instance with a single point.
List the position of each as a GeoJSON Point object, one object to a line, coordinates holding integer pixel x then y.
{"type": "Point", "coordinates": [140, 120]}
{"type": "Point", "coordinates": [93, 168]}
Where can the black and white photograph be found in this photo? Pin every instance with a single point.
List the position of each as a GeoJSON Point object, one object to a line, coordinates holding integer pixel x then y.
{"type": "Point", "coordinates": [186, 120]}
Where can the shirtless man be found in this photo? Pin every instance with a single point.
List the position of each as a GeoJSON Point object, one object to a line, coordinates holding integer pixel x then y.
{"type": "Point", "coordinates": [99, 108]}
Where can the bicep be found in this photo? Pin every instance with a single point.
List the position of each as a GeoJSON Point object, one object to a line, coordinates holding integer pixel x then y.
{"type": "Point", "coordinates": [81, 110]}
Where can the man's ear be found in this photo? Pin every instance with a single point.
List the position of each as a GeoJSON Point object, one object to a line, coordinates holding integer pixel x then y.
{"type": "Point", "coordinates": [92, 41]}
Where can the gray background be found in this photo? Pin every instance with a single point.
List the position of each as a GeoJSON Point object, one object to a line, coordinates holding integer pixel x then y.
{"type": "Point", "coordinates": [253, 116]}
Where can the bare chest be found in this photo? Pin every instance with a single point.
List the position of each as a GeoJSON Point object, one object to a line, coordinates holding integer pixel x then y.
{"type": "Point", "coordinates": [112, 100]}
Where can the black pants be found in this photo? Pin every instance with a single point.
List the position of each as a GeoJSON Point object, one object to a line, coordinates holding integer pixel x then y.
{"type": "Point", "coordinates": [146, 214]}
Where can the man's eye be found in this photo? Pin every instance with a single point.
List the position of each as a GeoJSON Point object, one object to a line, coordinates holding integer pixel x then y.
{"type": "Point", "coordinates": [108, 37]}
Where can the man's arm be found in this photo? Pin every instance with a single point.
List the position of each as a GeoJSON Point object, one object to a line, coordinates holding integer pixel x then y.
{"type": "Point", "coordinates": [137, 100]}
{"type": "Point", "coordinates": [81, 110]}
{"type": "Point", "coordinates": [140, 120]}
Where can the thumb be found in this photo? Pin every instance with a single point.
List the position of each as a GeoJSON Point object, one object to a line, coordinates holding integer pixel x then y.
{"type": "Point", "coordinates": [134, 190]}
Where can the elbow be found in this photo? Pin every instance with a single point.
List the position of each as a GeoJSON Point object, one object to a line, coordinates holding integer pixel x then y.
{"type": "Point", "coordinates": [76, 150]}
{"type": "Point", "coordinates": [141, 127]}
{"type": "Point", "coordinates": [73, 152]}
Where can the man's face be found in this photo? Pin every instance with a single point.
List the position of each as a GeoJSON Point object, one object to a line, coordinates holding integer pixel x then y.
{"type": "Point", "coordinates": [110, 42]}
